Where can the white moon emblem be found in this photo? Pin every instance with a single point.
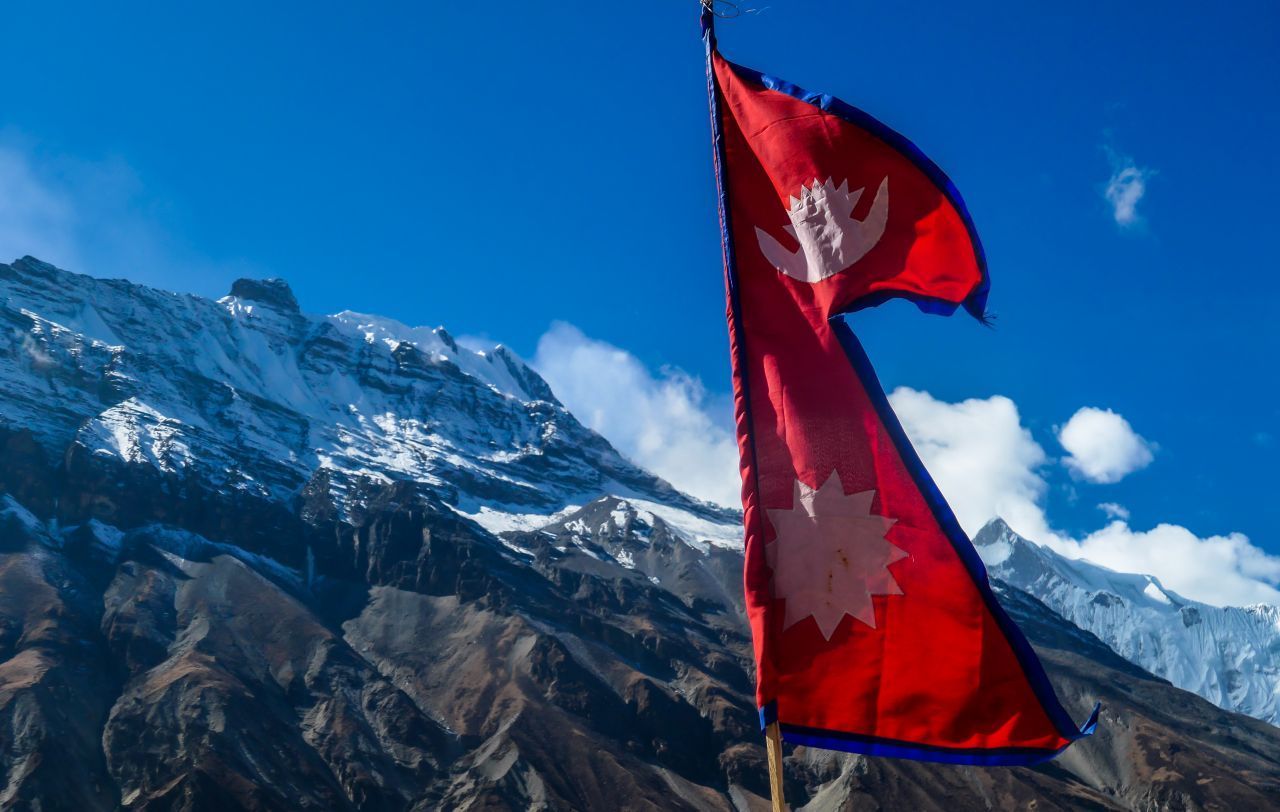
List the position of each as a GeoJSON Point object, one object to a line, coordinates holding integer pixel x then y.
{"type": "Point", "coordinates": [831, 240]}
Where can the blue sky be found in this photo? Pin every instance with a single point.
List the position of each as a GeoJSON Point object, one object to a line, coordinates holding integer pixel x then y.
{"type": "Point", "coordinates": [501, 168]}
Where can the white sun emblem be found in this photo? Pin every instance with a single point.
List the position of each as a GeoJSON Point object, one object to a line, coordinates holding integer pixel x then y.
{"type": "Point", "coordinates": [830, 556]}
{"type": "Point", "coordinates": [830, 239]}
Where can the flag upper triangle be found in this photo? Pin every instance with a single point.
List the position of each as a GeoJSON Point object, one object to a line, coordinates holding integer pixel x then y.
{"type": "Point", "coordinates": [874, 626]}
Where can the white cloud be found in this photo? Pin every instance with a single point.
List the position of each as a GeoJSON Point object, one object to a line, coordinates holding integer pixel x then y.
{"type": "Point", "coordinates": [1125, 188]}
{"type": "Point", "coordinates": [987, 464]}
{"type": "Point", "coordinates": [1223, 570]}
{"type": "Point", "coordinates": [982, 458]}
{"type": "Point", "coordinates": [664, 422]}
{"type": "Point", "coordinates": [1114, 510]}
{"type": "Point", "coordinates": [1103, 447]}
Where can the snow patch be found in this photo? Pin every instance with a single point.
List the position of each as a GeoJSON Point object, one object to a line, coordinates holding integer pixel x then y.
{"type": "Point", "coordinates": [525, 551]}
{"type": "Point", "coordinates": [995, 554]}
{"type": "Point", "coordinates": [137, 433]}
{"type": "Point", "coordinates": [437, 345]}
{"type": "Point", "coordinates": [1156, 593]}
{"type": "Point", "coordinates": [619, 515]}
{"type": "Point", "coordinates": [695, 531]}
{"type": "Point", "coordinates": [498, 521]}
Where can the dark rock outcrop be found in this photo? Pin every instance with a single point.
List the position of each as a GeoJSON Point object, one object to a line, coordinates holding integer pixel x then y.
{"type": "Point", "coordinates": [272, 292]}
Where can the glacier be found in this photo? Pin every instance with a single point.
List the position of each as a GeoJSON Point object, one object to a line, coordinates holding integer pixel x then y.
{"type": "Point", "coordinates": [1229, 655]}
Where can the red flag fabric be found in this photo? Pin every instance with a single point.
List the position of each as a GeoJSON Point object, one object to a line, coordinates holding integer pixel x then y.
{"type": "Point", "coordinates": [874, 625]}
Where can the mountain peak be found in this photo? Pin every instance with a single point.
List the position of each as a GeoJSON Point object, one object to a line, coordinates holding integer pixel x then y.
{"type": "Point", "coordinates": [1227, 655]}
{"type": "Point", "coordinates": [995, 530]}
{"type": "Point", "coordinates": [447, 339]}
{"type": "Point", "coordinates": [31, 263]}
{"type": "Point", "coordinates": [274, 293]}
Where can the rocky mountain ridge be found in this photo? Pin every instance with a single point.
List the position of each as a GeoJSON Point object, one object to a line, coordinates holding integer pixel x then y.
{"type": "Point", "coordinates": [361, 569]}
{"type": "Point", "coordinates": [249, 394]}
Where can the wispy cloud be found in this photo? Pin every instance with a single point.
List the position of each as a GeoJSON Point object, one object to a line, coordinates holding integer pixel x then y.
{"type": "Point", "coordinates": [666, 421]}
{"type": "Point", "coordinates": [1125, 188]}
{"type": "Point", "coordinates": [35, 217]}
{"type": "Point", "coordinates": [1114, 510]}
{"type": "Point", "coordinates": [93, 217]}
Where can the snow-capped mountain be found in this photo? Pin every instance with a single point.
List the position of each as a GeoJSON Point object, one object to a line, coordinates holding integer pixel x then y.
{"type": "Point", "coordinates": [256, 559]}
{"type": "Point", "coordinates": [1228, 655]}
{"type": "Point", "coordinates": [250, 394]}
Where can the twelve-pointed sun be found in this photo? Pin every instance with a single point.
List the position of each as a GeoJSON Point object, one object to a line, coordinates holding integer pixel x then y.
{"type": "Point", "coordinates": [830, 556]}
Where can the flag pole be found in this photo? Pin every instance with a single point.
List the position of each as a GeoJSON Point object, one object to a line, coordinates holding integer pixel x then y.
{"type": "Point", "coordinates": [773, 744]}
{"type": "Point", "coordinates": [772, 735]}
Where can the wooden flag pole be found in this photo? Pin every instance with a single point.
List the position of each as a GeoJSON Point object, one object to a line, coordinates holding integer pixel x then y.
{"type": "Point", "coordinates": [773, 743]}
{"type": "Point", "coordinates": [773, 737]}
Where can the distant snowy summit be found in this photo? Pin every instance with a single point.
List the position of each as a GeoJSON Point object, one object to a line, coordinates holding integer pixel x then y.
{"type": "Point", "coordinates": [250, 394]}
{"type": "Point", "coordinates": [1228, 655]}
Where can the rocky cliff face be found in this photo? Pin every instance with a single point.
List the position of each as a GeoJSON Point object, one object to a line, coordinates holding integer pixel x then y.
{"type": "Point", "coordinates": [365, 569]}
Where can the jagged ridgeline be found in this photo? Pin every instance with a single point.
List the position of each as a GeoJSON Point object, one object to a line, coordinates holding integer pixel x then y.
{"type": "Point", "coordinates": [253, 558]}
{"type": "Point", "coordinates": [1229, 655]}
